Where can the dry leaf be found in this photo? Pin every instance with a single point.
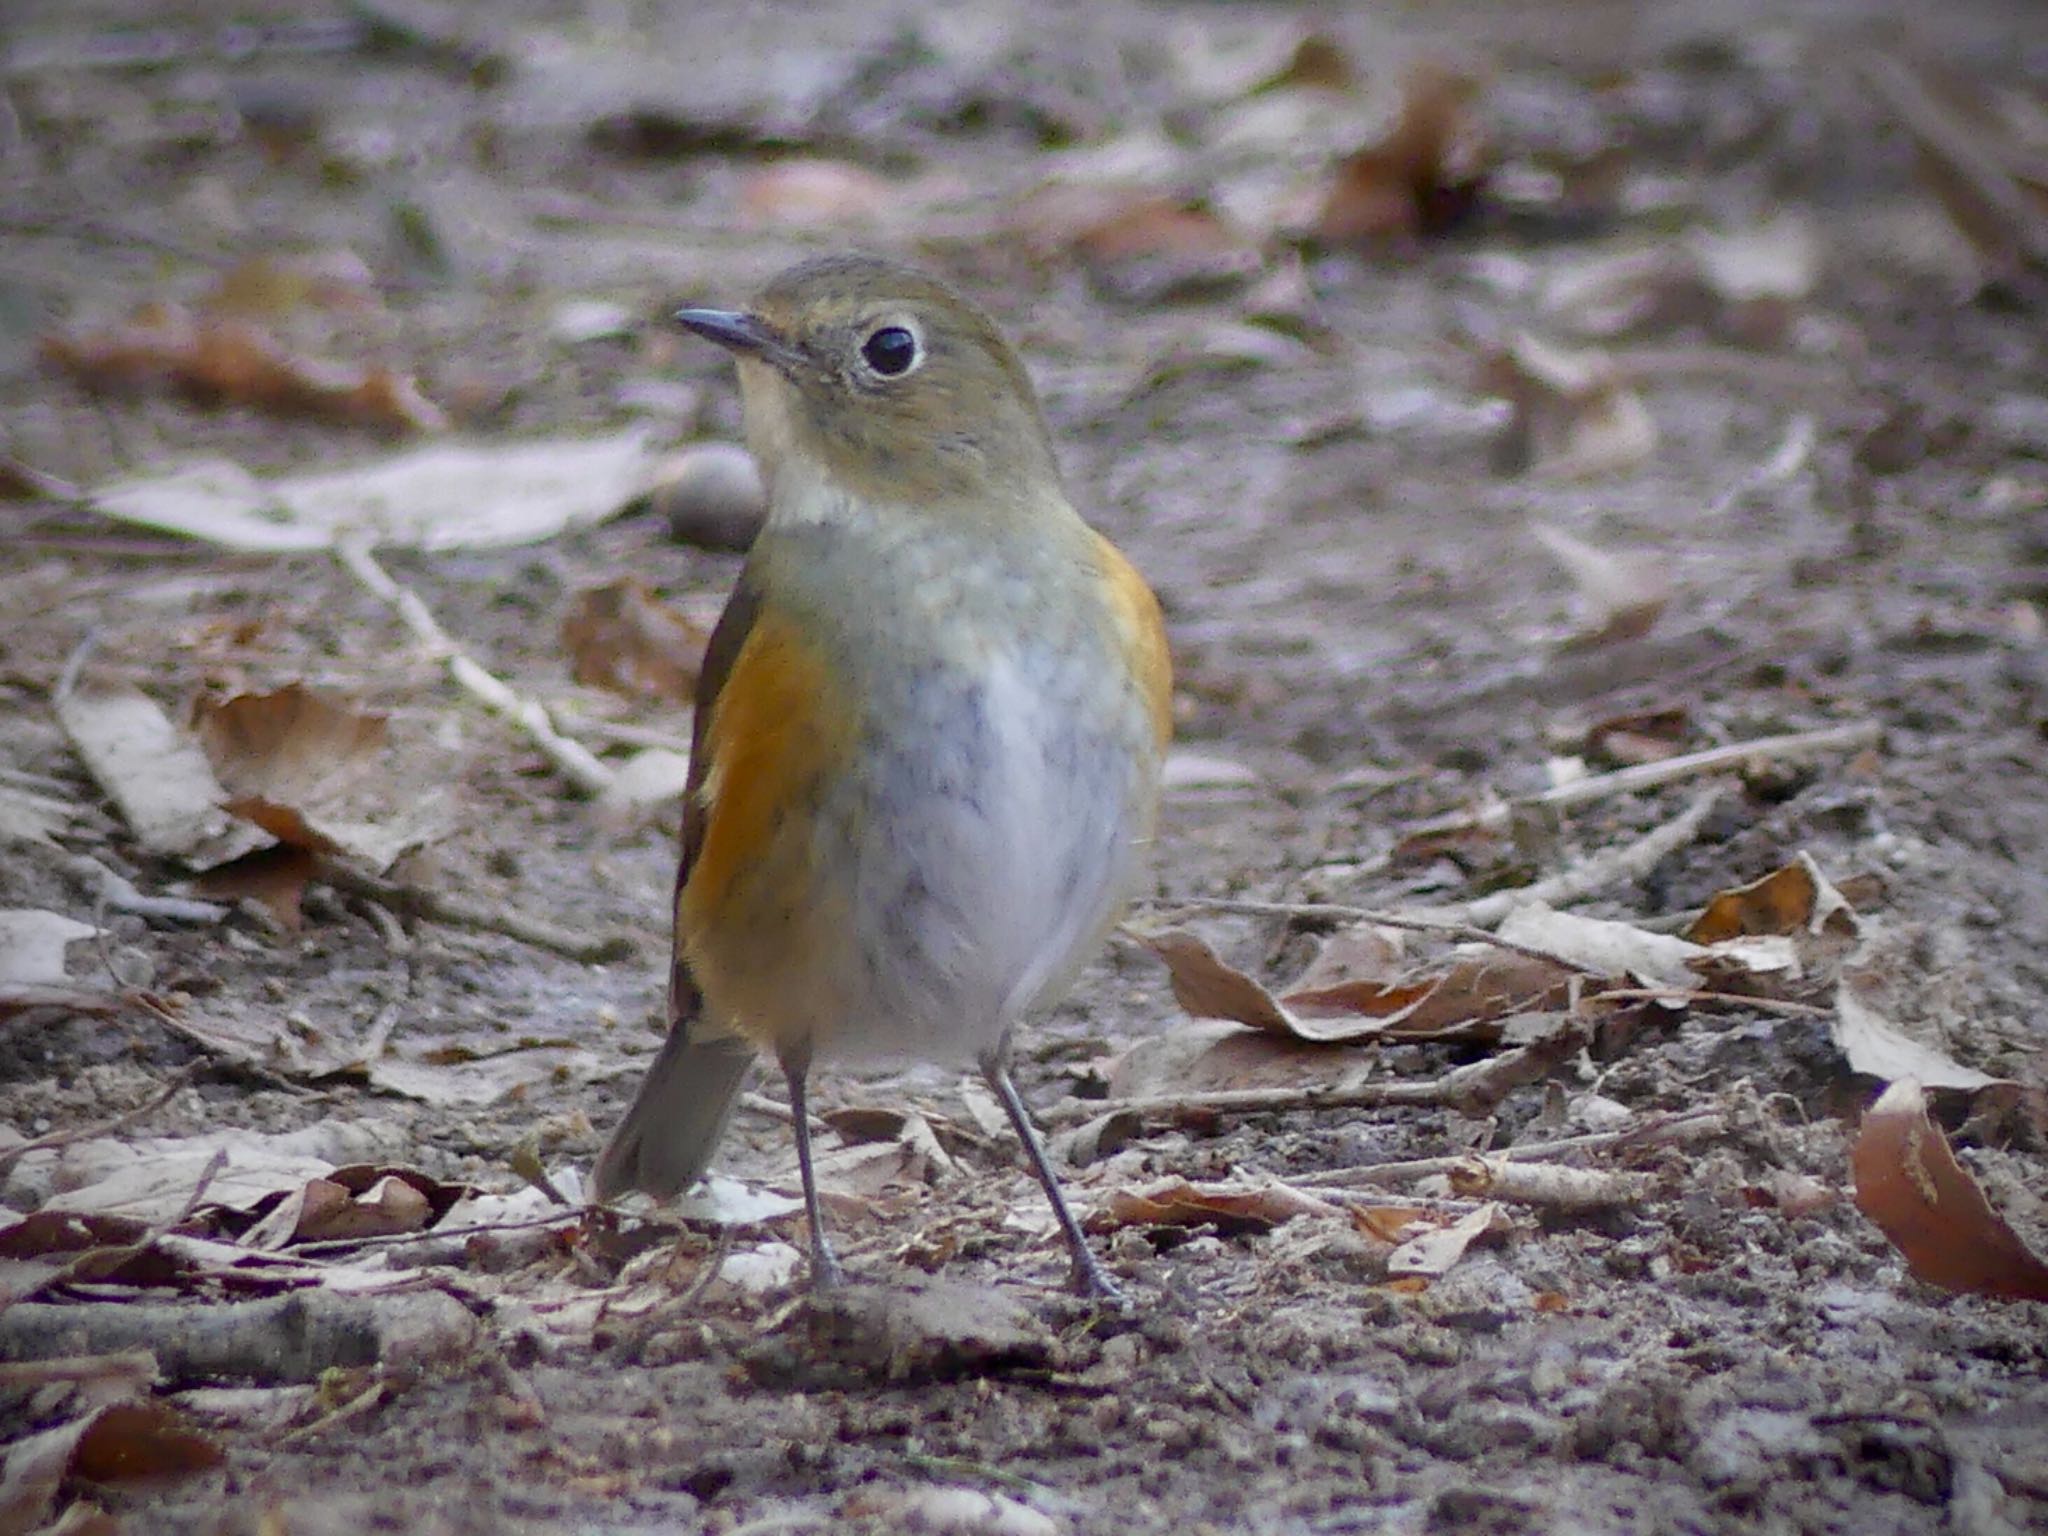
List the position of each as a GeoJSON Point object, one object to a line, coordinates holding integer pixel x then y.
{"type": "Point", "coordinates": [1934, 1212]}
{"type": "Point", "coordinates": [1573, 418]}
{"type": "Point", "coordinates": [621, 636]}
{"type": "Point", "coordinates": [1623, 595]}
{"type": "Point", "coordinates": [270, 285]}
{"type": "Point", "coordinates": [1424, 178]}
{"type": "Point", "coordinates": [1760, 275]}
{"type": "Point", "coordinates": [441, 496]}
{"type": "Point", "coordinates": [220, 360]}
{"type": "Point", "coordinates": [155, 774]}
{"type": "Point", "coordinates": [296, 762]}
{"type": "Point", "coordinates": [1228, 1207]}
{"type": "Point", "coordinates": [32, 945]}
{"type": "Point", "coordinates": [1432, 1252]}
{"type": "Point", "coordinates": [1468, 998]}
{"type": "Point", "coordinates": [117, 1443]}
{"type": "Point", "coordinates": [1876, 1047]}
{"type": "Point", "coordinates": [276, 877]}
{"type": "Point", "coordinates": [1796, 899]}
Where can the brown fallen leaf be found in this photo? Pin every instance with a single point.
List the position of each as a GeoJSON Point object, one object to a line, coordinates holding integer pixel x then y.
{"type": "Point", "coordinates": [1909, 1183]}
{"type": "Point", "coordinates": [226, 361]}
{"type": "Point", "coordinates": [299, 763]}
{"type": "Point", "coordinates": [1228, 1207]}
{"type": "Point", "coordinates": [1425, 177]}
{"type": "Point", "coordinates": [1795, 899]}
{"type": "Point", "coordinates": [1468, 998]}
{"type": "Point", "coordinates": [276, 877]}
{"type": "Point", "coordinates": [120, 1442]}
{"type": "Point", "coordinates": [269, 285]}
{"type": "Point", "coordinates": [622, 637]}
{"type": "Point", "coordinates": [1574, 416]}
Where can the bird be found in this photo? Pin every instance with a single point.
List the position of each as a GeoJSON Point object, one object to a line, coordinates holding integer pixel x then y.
{"type": "Point", "coordinates": [925, 758]}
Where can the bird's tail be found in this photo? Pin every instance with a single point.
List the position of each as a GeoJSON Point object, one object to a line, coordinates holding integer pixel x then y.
{"type": "Point", "coordinates": [665, 1142]}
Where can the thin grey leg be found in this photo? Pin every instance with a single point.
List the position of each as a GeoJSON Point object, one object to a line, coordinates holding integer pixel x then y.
{"type": "Point", "coordinates": [825, 1270]}
{"type": "Point", "coordinates": [1088, 1276]}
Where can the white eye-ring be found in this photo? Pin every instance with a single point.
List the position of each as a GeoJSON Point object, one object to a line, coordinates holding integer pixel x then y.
{"type": "Point", "coordinates": [892, 349]}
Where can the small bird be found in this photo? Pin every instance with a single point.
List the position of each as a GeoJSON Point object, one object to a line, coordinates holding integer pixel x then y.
{"type": "Point", "coordinates": [926, 752]}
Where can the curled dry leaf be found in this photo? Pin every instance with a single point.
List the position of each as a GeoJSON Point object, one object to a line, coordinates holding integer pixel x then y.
{"type": "Point", "coordinates": [1624, 595]}
{"type": "Point", "coordinates": [1228, 1207]}
{"type": "Point", "coordinates": [621, 636]}
{"type": "Point", "coordinates": [1468, 998]}
{"type": "Point", "coordinates": [1425, 177]}
{"type": "Point", "coordinates": [1796, 899]}
{"type": "Point", "coordinates": [220, 360]}
{"type": "Point", "coordinates": [1909, 1182]}
{"type": "Point", "coordinates": [1644, 736]}
{"type": "Point", "coordinates": [1574, 417]}
{"type": "Point", "coordinates": [119, 1442]}
{"type": "Point", "coordinates": [296, 762]}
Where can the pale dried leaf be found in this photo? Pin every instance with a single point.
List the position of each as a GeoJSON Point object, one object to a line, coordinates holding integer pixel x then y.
{"type": "Point", "coordinates": [32, 945]}
{"type": "Point", "coordinates": [444, 496]}
{"type": "Point", "coordinates": [156, 775]}
{"type": "Point", "coordinates": [1432, 1252]}
{"type": "Point", "coordinates": [1623, 594]}
{"type": "Point", "coordinates": [1876, 1047]}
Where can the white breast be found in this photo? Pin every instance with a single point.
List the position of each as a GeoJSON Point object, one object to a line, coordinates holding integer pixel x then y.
{"type": "Point", "coordinates": [989, 864]}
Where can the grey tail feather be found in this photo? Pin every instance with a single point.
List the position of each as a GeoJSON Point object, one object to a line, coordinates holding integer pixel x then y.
{"type": "Point", "coordinates": [665, 1142]}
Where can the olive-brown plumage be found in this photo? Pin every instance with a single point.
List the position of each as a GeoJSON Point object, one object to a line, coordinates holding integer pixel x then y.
{"type": "Point", "coordinates": [928, 734]}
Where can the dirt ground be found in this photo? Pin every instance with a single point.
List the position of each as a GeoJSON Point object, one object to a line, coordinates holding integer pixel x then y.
{"type": "Point", "coordinates": [1843, 519]}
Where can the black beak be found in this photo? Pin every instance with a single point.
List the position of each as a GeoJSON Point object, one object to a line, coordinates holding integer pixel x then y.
{"type": "Point", "coordinates": [745, 334]}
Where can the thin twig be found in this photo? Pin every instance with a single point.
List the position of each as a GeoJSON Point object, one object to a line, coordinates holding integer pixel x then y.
{"type": "Point", "coordinates": [570, 757]}
{"type": "Point", "coordinates": [1476, 1086]}
{"type": "Point", "coordinates": [120, 1122]}
{"type": "Point", "coordinates": [117, 894]}
{"type": "Point", "coordinates": [466, 912]}
{"type": "Point", "coordinates": [1616, 866]}
{"type": "Point", "coordinates": [1641, 776]}
{"type": "Point", "coordinates": [397, 1239]}
{"type": "Point", "coordinates": [1690, 1125]}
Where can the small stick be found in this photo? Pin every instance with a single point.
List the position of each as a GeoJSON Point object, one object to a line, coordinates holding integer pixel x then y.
{"type": "Point", "coordinates": [1477, 1086]}
{"type": "Point", "coordinates": [463, 912]}
{"type": "Point", "coordinates": [570, 757]}
{"type": "Point", "coordinates": [114, 892]}
{"type": "Point", "coordinates": [121, 1122]}
{"type": "Point", "coordinates": [1552, 1185]}
{"type": "Point", "coordinates": [1641, 776]}
{"type": "Point", "coordinates": [1615, 867]}
{"type": "Point", "coordinates": [1691, 1125]}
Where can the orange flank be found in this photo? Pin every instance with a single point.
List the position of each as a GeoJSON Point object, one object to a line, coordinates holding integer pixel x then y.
{"type": "Point", "coordinates": [772, 738]}
{"type": "Point", "coordinates": [1141, 631]}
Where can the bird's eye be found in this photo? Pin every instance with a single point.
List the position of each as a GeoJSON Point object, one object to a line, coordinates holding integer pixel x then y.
{"type": "Point", "coordinates": [891, 351]}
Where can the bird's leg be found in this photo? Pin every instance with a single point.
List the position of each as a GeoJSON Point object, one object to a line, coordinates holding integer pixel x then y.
{"type": "Point", "coordinates": [1088, 1276]}
{"type": "Point", "coordinates": [825, 1270]}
